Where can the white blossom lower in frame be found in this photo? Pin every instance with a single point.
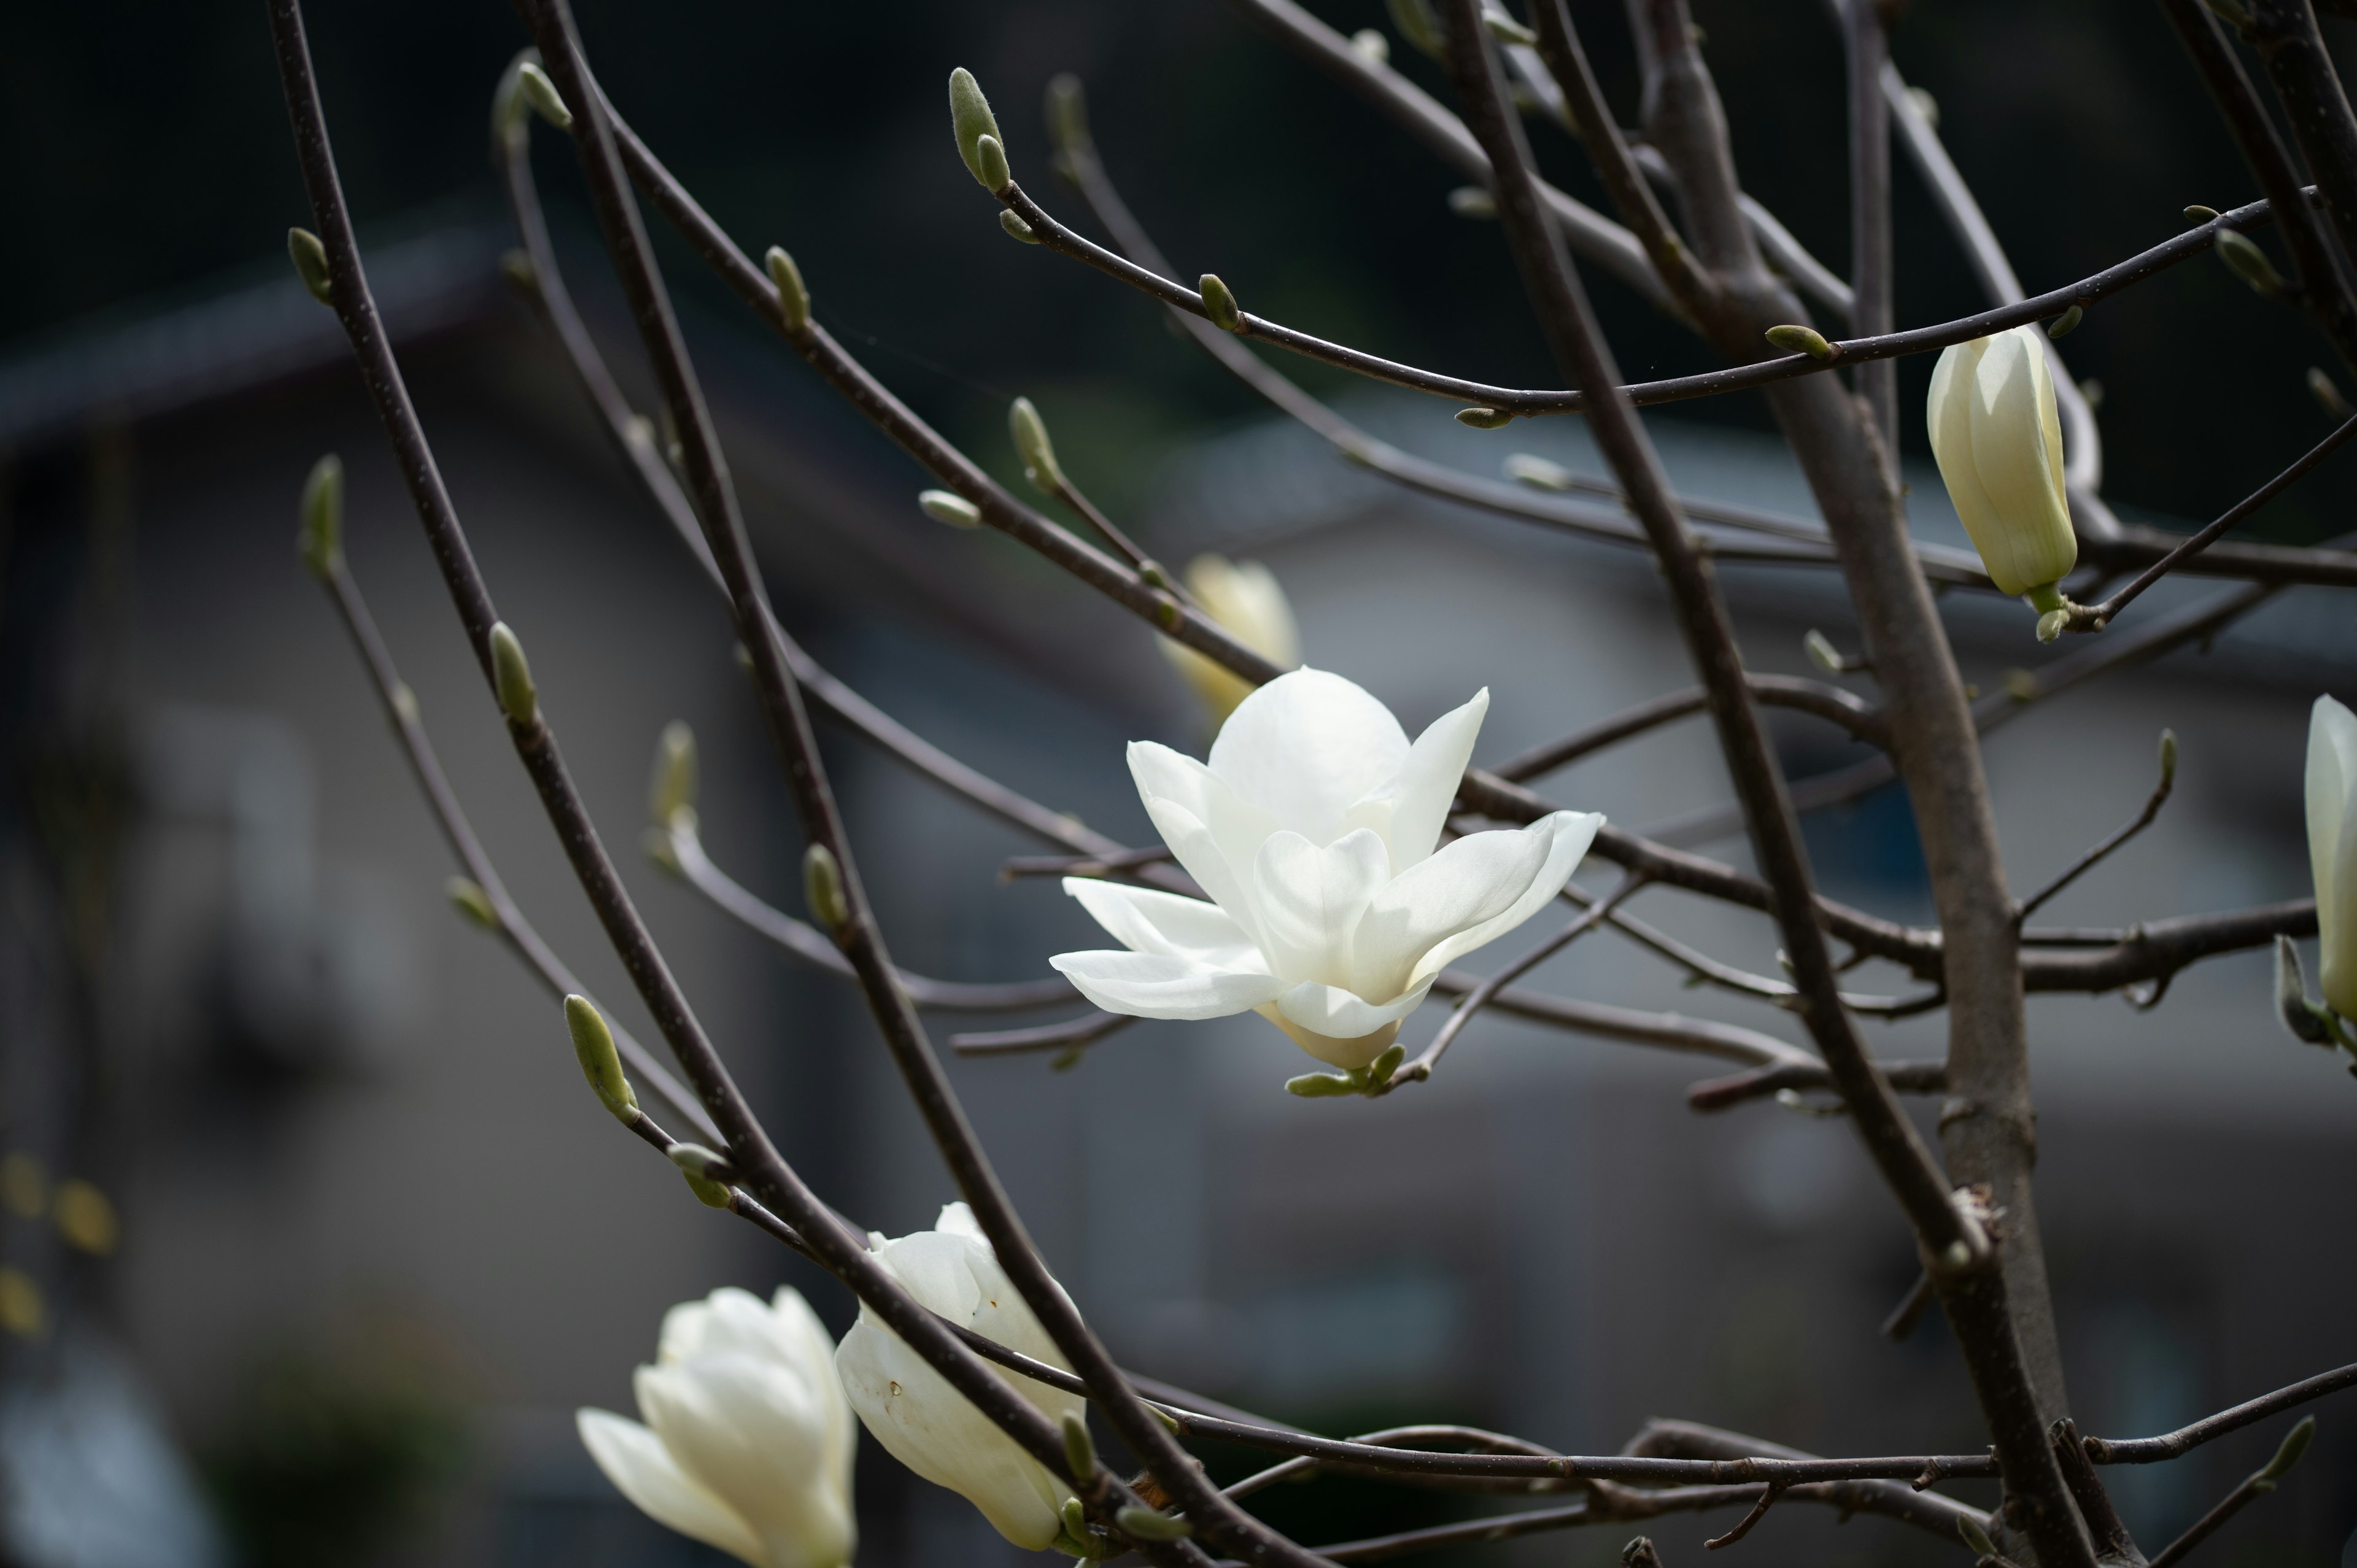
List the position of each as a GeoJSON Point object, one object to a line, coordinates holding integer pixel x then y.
{"type": "Point", "coordinates": [927, 1424]}
{"type": "Point", "coordinates": [1313, 828]}
{"type": "Point", "coordinates": [747, 1441]}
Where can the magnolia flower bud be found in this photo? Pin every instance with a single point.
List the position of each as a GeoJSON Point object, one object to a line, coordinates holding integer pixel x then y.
{"type": "Point", "coordinates": [1507, 30]}
{"type": "Point", "coordinates": [1372, 45]}
{"type": "Point", "coordinates": [320, 536]}
{"type": "Point", "coordinates": [1538, 472]}
{"type": "Point", "coordinates": [512, 677]}
{"type": "Point", "coordinates": [1245, 601]}
{"type": "Point", "coordinates": [927, 1424]}
{"type": "Point", "coordinates": [970, 120]}
{"type": "Point", "coordinates": [793, 298]}
{"type": "Point", "coordinates": [1313, 830]}
{"type": "Point", "coordinates": [2327, 393]}
{"type": "Point", "coordinates": [748, 1444]}
{"type": "Point", "coordinates": [2332, 848]}
{"type": "Point", "coordinates": [2288, 1452]}
{"type": "Point", "coordinates": [310, 259]}
{"type": "Point", "coordinates": [593, 1046]}
{"type": "Point", "coordinates": [672, 788]}
{"type": "Point", "coordinates": [1999, 440]}
{"type": "Point", "coordinates": [1031, 444]}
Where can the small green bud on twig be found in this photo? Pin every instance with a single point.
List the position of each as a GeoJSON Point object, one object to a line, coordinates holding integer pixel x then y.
{"type": "Point", "coordinates": [1031, 444]}
{"type": "Point", "coordinates": [970, 120]}
{"type": "Point", "coordinates": [2246, 261]}
{"type": "Point", "coordinates": [1067, 112]}
{"type": "Point", "coordinates": [512, 677]}
{"type": "Point", "coordinates": [1826, 657]}
{"type": "Point", "coordinates": [1795, 340]}
{"type": "Point", "coordinates": [1507, 30]}
{"type": "Point", "coordinates": [990, 153]}
{"type": "Point", "coordinates": [593, 1046]}
{"type": "Point", "coordinates": [541, 94]}
{"type": "Point", "coordinates": [2167, 760]}
{"type": "Point", "coordinates": [2294, 1446]}
{"type": "Point", "coordinates": [319, 537]}
{"type": "Point", "coordinates": [508, 106]}
{"type": "Point", "coordinates": [793, 297]}
{"type": "Point", "coordinates": [310, 259]}
{"type": "Point", "coordinates": [1015, 228]}
{"type": "Point", "coordinates": [1975, 1536]}
{"type": "Point", "coordinates": [1319, 1085]}
{"type": "Point", "coordinates": [2200, 214]}
{"type": "Point", "coordinates": [1537, 472]}
{"type": "Point", "coordinates": [1925, 104]}
{"type": "Point", "coordinates": [711, 1194]}
{"type": "Point", "coordinates": [1484, 418]}
{"type": "Point", "coordinates": [1378, 1072]}
{"type": "Point", "coordinates": [2065, 324]}
{"type": "Point", "coordinates": [697, 1160]}
{"type": "Point", "coordinates": [1372, 45]}
{"type": "Point", "coordinates": [1472, 201]}
{"type": "Point", "coordinates": [2328, 396]}
{"type": "Point", "coordinates": [2051, 624]}
{"type": "Point", "coordinates": [466, 896]}
{"type": "Point", "coordinates": [672, 789]}
{"type": "Point", "coordinates": [2303, 1017]}
{"type": "Point", "coordinates": [1219, 304]}
{"type": "Point", "coordinates": [948, 505]}
{"type": "Point", "coordinates": [822, 893]}
{"type": "Point", "coordinates": [1080, 1450]}
{"type": "Point", "coordinates": [1148, 1525]}
{"type": "Point", "coordinates": [516, 267]}
{"type": "Point", "coordinates": [1076, 1539]}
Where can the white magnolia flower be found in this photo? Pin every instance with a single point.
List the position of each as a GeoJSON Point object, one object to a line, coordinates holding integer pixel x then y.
{"type": "Point", "coordinates": [1999, 441]}
{"type": "Point", "coordinates": [1312, 829]}
{"type": "Point", "coordinates": [747, 1442]}
{"type": "Point", "coordinates": [2333, 847]}
{"type": "Point", "coordinates": [1244, 598]}
{"type": "Point", "coordinates": [927, 1424]}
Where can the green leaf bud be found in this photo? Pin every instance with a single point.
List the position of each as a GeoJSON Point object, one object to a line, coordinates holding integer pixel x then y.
{"type": "Point", "coordinates": [1148, 1525]}
{"type": "Point", "coordinates": [1484, 418]}
{"type": "Point", "coordinates": [1823, 653]}
{"type": "Point", "coordinates": [2301, 1016]}
{"type": "Point", "coordinates": [1319, 1085]}
{"type": "Point", "coordinates": [990, 153]}
{"type": "Point", "coordinates": [593, 1046]}
{"type": "Point", "coordinates": [1794, 339]}
{"type": "Point", "coordinates": [672, 789]}
{"type": "Point", "coordinates": [1032, 445]}
{"type": "Point", "coordinates": [1017, 228]}
{"type": "Point", "coordinates": [1975, 1536]}
{"type": "Point", "coordinates": [310, 259]}
{"type": "Point", "coordinates": [1472, 201]}
{"type": "Point", "coordinates": [541, 94]}
{"type": "Point", "coordinates": [1537, 472]}
{"type": "Point", "coordinates": [698, 1161]}
{"type": "Point", "coordinates": [970, 120]}
{"type": "Point", "coordinates": [466, 896]}
{"type": "Point", "coordinates": [512, 677]}
{"type": "Point", "coordinates": [1080, 1450]}
{"type": "Point", "coordinates": [1507, 30]}
{"type": "Point", "coordinates": [2065, 324]}
{"type": "Point", "coordinates": [793, 298]}
{"type": "Point", "coordinates": [319, 537]}
{"type": "Point", "coordinates": [2295, 1443]}
{"type": "Point", "coordinates": [948, 505]}
{"type": "Point", "coordinates": [1219, 305]}
{"type": "Point", "coordinates": [2246, 261]}
{"type": "Point", "coordinates": [822, 893]}
{"type": "Point", "coordinates": [2051, 625]}
{"type": "Point", "coordinates": [2200, 214]}
{"type": "Point", "coordinates": [2168, 760]}
{"type": "Point", "coordinates": [1371, 44]}
{"type": "Point", "coordinates": [1378, 1072]}
{"type": "Point", "coordinates": [709, 1193]}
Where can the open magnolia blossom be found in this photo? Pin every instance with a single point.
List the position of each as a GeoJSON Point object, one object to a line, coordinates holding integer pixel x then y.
{"type": "Point", "coordinates": [1313, 829]}
{"type": "Point", "coordinates": [1998, 438]}
{"type": "Point", "coordinates": [2332, 848]}
{"type": "Point", "coordinates": [747, 1442]}
{"type": "Point", "coordinates": [924, 1423]}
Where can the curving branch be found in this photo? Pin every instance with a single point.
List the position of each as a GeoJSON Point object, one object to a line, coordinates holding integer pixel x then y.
{"type": "Point", "coordinates": [2185, 1439]}
{"type": "Point", "coordinates": [1817, 698]}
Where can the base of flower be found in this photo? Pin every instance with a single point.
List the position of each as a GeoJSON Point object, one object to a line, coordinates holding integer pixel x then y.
{"type": "Point", "coordinates": [1349, 1054]}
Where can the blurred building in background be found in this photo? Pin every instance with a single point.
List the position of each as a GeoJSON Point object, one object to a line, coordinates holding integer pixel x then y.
{"type": "Point", "coordinates": [378, 1241]}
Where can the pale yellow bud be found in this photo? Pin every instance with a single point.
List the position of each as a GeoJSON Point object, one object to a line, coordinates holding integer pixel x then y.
{"type": "Point", "coordinates": [1998, 439]}
{"type": "Point", "coordinates": [1246, 600]}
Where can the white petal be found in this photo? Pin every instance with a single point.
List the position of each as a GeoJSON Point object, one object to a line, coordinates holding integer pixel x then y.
{"type": "Point", "coordinates": [754, 1434]}
{"type": "Point", "coordinates": [683, 1331]}
{"type": "Point", "coordinates": [1305, 746]}
{"type": "Point", "coordinates": [643, 1470]}
{"type": "Point", "coordinates": [1471, 891]}
{"type": "Point", "coordinates": [1202, 855]}
{"type": "Point", "coordinates": [956, 1219]}
{"type": "Point", "coordinates": [813, 1345]}
{"type": "Point", "coordinates": [1149, 985]}
{"type": "Point", "coordinates": [937, 1267]}
{"type": "Point", "coordinates": [1144, 920]}
{"type": "Point", "coordinates": [1175, 778]}
{"type": "Point", "coordinates": [1410, 810]}
{"type": "Point", "coordinates": [1342, 1014]}
{"type": "Point", "coordinates": [1310, 900]}
{"type": "Point", "coordinates": [1572, 832]}
{"type": "Point", "coordinates": [2017, 452]}
{"type": "Point", "coordinates": [2331, 789]}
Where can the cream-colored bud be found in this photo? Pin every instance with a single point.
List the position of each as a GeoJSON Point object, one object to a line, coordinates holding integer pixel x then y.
{"type": "Point", "coordinates": [1244, 599]}
{"type": "Point", "coordinates": [320, 537]}
{"type": "Point", "coordinates": [1998, 439]}
{"type": "Point", "coordinates": [2331, 791]}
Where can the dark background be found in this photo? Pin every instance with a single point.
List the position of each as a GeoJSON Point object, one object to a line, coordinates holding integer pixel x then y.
{"type": "Point", "coordinates": [146, 148]}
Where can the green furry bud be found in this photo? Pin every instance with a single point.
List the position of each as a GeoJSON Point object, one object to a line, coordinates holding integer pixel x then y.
{"type": "Point", "coordinates": [970, 120]}
{"type": "Point", "coordinates": [512, 677]}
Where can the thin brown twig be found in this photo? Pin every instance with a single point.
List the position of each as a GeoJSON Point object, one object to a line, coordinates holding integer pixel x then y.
{"type": "Point", "coordinates": [2185, 1439]}
{"type": "Point", "coordinates": [2095, 856]}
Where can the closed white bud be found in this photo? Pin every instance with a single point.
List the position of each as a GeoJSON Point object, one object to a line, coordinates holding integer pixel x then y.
{"type": "Point", "coordinates": [320, 536]}
{"type": "Point", "coordinates": [927, 1424]}
{"type": "Point", "coordinates": [1067, 112]}
{"type": "Point", "coordinates": [747, 1441]}
{"type": "Point", "coordinates": [1031, 444]}
{"type": "Point", "coordinates": [970, 120]}
{"type": "Point", "coordinates": [2332, 848]}
{"type": "Point", "coordinates": [1999, 440]}
{"type": "Point", "coordinates": [1244, 599]}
